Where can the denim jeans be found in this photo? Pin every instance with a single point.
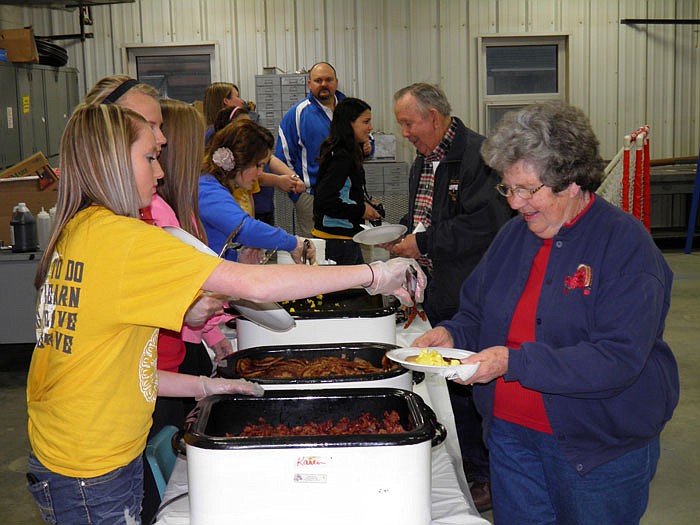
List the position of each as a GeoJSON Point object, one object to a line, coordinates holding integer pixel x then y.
{"type": "Point", "coordinates": [113, 498]}
{"type": "Point", "coordinates": [532, 482]}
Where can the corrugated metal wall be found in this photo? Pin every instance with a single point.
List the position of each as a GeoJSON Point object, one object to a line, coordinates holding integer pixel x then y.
{"type": "Point", "coordinates": [622, 76]}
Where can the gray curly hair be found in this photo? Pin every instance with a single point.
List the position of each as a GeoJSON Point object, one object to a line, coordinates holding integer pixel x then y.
{"type": "Point", "coordinates": [555, 138]}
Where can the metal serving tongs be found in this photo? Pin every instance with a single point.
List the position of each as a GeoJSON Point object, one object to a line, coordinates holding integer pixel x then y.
{"type": "Point", "coordinates": [229, 244]}
{"type": "Point", "coordinates": [305, 251]}
{"type": "Point", "coordinates": [411, 285]}
{"type": "Point", "coordinates": [268, 256]}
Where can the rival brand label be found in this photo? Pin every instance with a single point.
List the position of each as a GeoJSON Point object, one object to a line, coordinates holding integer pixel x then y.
{"type": "Point", "coordinates": [310, 461]}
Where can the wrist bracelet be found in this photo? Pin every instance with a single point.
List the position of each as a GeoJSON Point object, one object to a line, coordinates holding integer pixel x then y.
{"type": "Point", "coordinates": [372, 281]}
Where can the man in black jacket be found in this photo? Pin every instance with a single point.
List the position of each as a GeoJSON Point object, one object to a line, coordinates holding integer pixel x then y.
{"type": "Point", "coordinates": [454, 212]}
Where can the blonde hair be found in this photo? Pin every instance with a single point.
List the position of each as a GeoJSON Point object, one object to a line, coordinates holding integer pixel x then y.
{"type": "Point", "coordinates": [214, 99]}
{"type": "Point", "coordinates": [181, 159]}
{"type": "Point", "coordinates": [105, 86]}
{"type": "Point", "coordinates": [95, 164]}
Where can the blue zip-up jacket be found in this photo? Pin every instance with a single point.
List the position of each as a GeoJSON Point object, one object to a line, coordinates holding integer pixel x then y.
{"type": "Point", "coordinates": [220, 214]}
{"type": "Point", "coordinates": [608, 379]}
{"type": "Point", "coordinates": [302, 130]}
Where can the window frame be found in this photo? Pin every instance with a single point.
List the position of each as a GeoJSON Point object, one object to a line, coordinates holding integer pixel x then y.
{"type": "Point", "coordinates": [132, 52]}
{"type": "Point", "coordinates": [514, 101]}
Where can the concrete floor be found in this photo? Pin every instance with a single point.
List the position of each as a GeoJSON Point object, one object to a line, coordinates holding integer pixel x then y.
{"type": "Point", "coordinates": [675, 491]}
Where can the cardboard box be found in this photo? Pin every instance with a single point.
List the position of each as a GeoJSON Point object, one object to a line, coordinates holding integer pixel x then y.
{"type": "Point", "coordinates": [20, 45]}
{"type": "Point", "coordinates": [31, 181]}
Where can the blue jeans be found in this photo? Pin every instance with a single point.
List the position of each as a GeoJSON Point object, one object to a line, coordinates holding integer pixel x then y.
{"type": "Point", "coordinates": [532, 482]}
{"type": "Point", "coordinates": [113, 498]}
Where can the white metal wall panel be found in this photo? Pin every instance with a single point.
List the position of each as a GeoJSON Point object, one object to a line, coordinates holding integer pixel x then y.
{"type": "Point", "coordinates": [687, 85]}
{"type": "Point", "coordinates": [186, 18]}
{"type": "Point", "coordinates": [455, 48]}
{"type": "Point", "coordinates": [282, 31]}
{"type": "Point", "coordinates": [220, 25]}
{"type": "Point", "coordinates": [343, 44]}
{"type": "Point", "coordinates": [603, 77]}
{"type": "Point", "coordinates": [543, 16]}
{"type": "Point", "coordinates": [575, 23]}
{"type": "Point", "coordinates": [621, 75]}
{"type": "Point", "coordinates": [370, 63]}
{"type": "Point", "coordinates": [312, 36]}
{"type": "Point", "coordinates": [662, 70]}
{"type": "Point", "coordinates": [631, 108]}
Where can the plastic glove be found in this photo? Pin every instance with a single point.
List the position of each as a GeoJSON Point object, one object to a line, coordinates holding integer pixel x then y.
{"type": "Point", "coordinates": [389, 278]}
{"type": "Point", "coordinates": [219, 385]}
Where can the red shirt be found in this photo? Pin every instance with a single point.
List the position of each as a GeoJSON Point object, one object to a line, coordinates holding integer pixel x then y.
{"type": "Point", "coordinates": [513, 402]}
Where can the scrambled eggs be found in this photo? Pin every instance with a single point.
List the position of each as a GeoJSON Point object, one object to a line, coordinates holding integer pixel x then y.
{"type": "Point", "coordinates": [433, 358]}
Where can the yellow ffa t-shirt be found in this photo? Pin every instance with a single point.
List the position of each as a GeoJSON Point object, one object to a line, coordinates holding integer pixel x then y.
{"type": "Point", "coordinates": [93, 382]}
{"type": "Point", "coordinates": [244, 198]}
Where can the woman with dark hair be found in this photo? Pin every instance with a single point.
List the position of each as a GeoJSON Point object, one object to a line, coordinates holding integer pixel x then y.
{"type": "Point", "coordinates": [259, 201]}
{"type": "Point", "coordinates": [340, 203]}
{"type": "Point", "coordinates": [234, 161]}
{"type": "Point", "coordinates": [566, 312]}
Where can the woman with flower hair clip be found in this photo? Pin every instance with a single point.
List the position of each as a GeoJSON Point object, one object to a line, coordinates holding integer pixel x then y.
{"type": "Point", "coordinates": [234, 159]}
{"type": "Point", "coordinates": [107, 281]}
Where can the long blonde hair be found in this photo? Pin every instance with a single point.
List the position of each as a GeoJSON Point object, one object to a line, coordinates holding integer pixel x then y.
{"type": "Point", "coordinates": [181, 159]}
{"type": "Point", "coordinates": [106, 85]}
{"type": "Point", "coordinates": [214, 99]}
{"type": "Point", "coordinates": [95, 164]}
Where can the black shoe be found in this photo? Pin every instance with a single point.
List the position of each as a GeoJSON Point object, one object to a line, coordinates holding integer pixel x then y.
{"type": "Point", "coordinates": [481, 494]}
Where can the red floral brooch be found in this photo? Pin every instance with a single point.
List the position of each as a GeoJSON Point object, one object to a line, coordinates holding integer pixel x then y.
{"type": "Point", "coordinates": [581, 279]}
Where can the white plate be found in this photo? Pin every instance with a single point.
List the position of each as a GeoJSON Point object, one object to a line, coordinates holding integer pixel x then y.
{"type": "Point", "coordinates": [190, 239]}
{"type": "Point", "coordinates": [462, 372]}
{"type": "Point", "coordinates": [380, 234]}
{"type": "Point", "coordinates": [268, 315]}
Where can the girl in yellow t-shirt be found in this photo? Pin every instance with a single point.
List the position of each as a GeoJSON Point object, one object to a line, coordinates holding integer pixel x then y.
{"type": "Point", "coordinates": [106, 282]}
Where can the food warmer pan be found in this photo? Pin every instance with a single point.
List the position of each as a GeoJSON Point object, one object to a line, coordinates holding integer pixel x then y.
{"type": "Point", "coordinates": [310, 480]}
{"type": "Point", "coordinates": [392, 374]}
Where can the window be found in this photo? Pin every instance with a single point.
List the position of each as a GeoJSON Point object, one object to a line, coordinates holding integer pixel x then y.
{"type": "Point", "coordinates": [180, 71]}
{"type": "Point", "coordinates": [517, 71]}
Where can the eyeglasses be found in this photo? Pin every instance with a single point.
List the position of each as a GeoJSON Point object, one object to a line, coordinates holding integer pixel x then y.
{"type": "Point", "coordinates": [523, 193]}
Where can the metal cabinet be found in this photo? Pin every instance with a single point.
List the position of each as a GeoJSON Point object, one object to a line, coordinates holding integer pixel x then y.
{"type": "Point", "coordinates": [9, 123]}
{"type": "Point", "coordinates": [32, 110]}
{"type": "Point", "coordinates": [39, 100]}
{"type": "Point", "coordinates": [18, 297]}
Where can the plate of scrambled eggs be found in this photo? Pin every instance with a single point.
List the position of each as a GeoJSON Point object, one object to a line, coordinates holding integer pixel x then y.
{"type": "Point", "coordinates": [442, 361]}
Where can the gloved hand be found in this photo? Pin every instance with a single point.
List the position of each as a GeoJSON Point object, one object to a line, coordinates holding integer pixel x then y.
{"type": "Point", "coordinates": [390, 278]}
{"type": "Point", "coordinates": [219, 385]}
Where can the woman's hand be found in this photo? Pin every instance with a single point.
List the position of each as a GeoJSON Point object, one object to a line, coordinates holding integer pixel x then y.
{"type": "Point", "coordinates": [439, 337]}
{"type": "Point", "coordinates": [371, 214]}
{"type": "Point", "coordinates": [493, 363]}
{"type": "Point", "coordinates": [389, 278]}
{"type": "Point", "coordinates": [204, 307]}
{"type": "Point", "coordinates": [248, 255]}
{"type": "Point", "coordinates": [221, 349]}
{"type": "Point", "coordinates": [299, 250]}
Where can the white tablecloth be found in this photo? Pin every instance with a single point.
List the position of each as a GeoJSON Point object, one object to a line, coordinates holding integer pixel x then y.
{"type": "Point", "coordinates": [451, 502]}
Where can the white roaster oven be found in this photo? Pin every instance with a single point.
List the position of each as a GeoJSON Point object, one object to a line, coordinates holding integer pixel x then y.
{"type": "Point", "coordinates": [311, 480]}
{"type": "Point", "coordinates": [339, 317]}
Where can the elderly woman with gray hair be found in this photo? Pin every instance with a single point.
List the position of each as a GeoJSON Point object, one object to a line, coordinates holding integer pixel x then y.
{"type": "Point", "coordinates": [566, 315]}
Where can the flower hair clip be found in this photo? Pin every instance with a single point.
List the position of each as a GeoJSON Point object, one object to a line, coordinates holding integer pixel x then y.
{"type": "Point", "coordinates": [223, 157]}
